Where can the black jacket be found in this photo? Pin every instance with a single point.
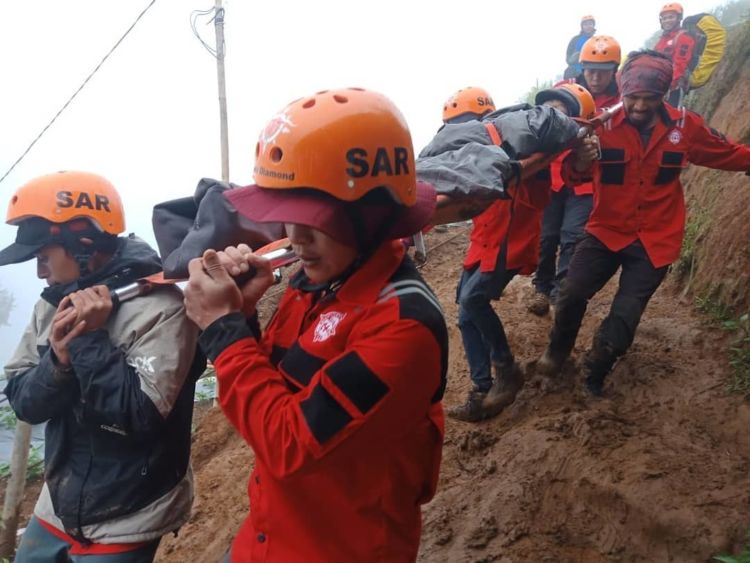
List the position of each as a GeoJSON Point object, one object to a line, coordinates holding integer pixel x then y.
{"type": "Point", "coordinates": [118, 425]}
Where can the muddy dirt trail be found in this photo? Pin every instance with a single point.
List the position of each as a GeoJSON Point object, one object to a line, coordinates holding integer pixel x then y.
{"type": "Point", "coordinates": [659, 470]}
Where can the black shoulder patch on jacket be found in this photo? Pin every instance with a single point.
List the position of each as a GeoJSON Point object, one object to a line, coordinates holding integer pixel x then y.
{"type": "Point", "coordinates": [418, 302]}
{"type": "Point", "coordinates": [300, 365]}
{"type": "Point", "coordinates": [277, 354]}
{"type": "Point", "coordinates": [324, 416]}
{"type": "Point", "coordinates": [359, 383]}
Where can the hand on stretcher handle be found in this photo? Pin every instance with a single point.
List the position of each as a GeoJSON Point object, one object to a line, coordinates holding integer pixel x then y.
{"type": "Point", "coordinates": [279, 252]}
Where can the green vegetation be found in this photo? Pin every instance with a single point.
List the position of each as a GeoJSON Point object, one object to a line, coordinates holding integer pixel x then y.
{"type": "Point", "coordinates": [7, 417]}
{"type": "Point", "coordinates": [34, 469]}
{"type": "Point", "coordinates": [694, 227]}
{"type": "Point", "coordinates": [531, 94]}
{"type": "Point", "coordinates": [733, 13]}
{"type": "Point", "coordinates": [207, 382]}
{"type": "Point", "coordinates": [739, 349]}
{"type": "Point", "coordinates": [743, 557]}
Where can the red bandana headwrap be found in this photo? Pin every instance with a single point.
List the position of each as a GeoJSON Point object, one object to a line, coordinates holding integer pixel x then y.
{"type": "Point", "coordinates": [646, 73]}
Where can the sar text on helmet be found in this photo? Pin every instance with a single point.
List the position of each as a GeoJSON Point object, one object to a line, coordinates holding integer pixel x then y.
{"type": "Point", "coordinates": [83, 199]}
{"type": "Point", "coordinates": [382, 163]}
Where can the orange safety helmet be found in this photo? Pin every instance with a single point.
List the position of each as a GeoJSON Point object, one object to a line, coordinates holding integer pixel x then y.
{"type": "Point", "coordinates": [341, 162]}
{"type": "Point", "coordinates": [600, 52]}
{"type": "Point", "coordinates": [468, 100]}
{"type": "Point", "coordinates": [63, 196]}
{"type": "Point", "coordinates": [672, 7]}
{"type": "Point", "coordinates": [79, 210]}
{"type": "Point", "coordinates": [588, 18]}
{"type": "Point", "coordinates": [574, 96]}
{"type": "Point", "coordinates": [343, 142]}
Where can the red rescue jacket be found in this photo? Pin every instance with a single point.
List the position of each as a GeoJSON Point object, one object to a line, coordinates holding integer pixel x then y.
{"type": "Point", "coordinates": [606, 99]}
{"type": "Point", "coordinates": [678, 46]}
{"type": "Point", "coordinates": [516, 222]}
{"type": "Point", "coordinates": [340, 401]}
{"type": "Point", "coordinates": [637, 190]}
{"type": "Point", "coordinates": [558, 182]}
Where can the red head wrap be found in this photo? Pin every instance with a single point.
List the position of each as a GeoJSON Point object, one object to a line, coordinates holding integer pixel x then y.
{"type": "Point", "coordinates": [646, 72]}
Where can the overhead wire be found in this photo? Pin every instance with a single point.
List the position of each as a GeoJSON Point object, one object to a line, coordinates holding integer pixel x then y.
{"type": "Point", "coordinates": [195, 14]}
{"type": "Point", "coordinates": [66, 104]}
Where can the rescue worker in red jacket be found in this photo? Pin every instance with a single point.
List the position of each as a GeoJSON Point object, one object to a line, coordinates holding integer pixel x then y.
{"type": "Point", "coordinates": [600, 59]}
{"type": "Point", "coordinates": [339, 397]}
{"type": "Point", "coordinates": [638, 219]}
{"type": "Point", "coordinates": [679, 47]}
{"type": "Point", "coordinates": [570, 206]}
{"type": "Point", "coordinates": [504, 243]}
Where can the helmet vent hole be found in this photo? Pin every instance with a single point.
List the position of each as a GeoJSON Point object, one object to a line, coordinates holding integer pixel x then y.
{"type": "Point", "coordinates": [357, 89]}
{"type": "Point", "coordinates": [257, 150]}
{"type": "Point", "coordinates": [276, 154]}
{"type": "Point", "coordinates": [340, 99]}
{"type": "Point", "coordinates": [14, 200]}
{"type": "Point", "coordinates": [309, 103]}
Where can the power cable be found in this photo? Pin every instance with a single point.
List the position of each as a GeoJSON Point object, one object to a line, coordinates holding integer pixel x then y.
{"type": "Point", "coordinates": [194, 19]}
{"type": "Point", "coordinates": [93, 72]}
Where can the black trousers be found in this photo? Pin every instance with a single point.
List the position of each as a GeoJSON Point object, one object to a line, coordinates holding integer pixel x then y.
{"type": "Point", "coordinates": [591, 267]}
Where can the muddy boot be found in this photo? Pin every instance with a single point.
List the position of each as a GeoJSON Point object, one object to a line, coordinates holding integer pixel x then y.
{"type": "Point", "coordinates": [551, 362]}
{"type": "Point", "coordinates": [595, 384]}
{"type": "Point", "coordinates": [508, 382]}
{"type": "Point", "coordinates": [538, 304]}
{"type": "Point", "coordinates": [597, 365]}
{"type": "Point", "coordinates": [472, 410]}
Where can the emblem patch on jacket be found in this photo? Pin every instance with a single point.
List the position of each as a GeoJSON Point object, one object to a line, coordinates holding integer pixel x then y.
{"type": "Point", "coordinates": [143, 364]}
{"type": "Point", "coordinates": [675, 137]}
{"type": "Point", "coordinates": [327, 325]}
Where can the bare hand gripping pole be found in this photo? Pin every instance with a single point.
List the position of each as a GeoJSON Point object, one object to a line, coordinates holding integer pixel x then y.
{"type": "Point", "coordinates": [279, 253]}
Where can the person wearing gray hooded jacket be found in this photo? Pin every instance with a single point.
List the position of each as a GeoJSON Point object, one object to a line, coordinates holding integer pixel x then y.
{"type": "Point", "coordinates": [114, 384]}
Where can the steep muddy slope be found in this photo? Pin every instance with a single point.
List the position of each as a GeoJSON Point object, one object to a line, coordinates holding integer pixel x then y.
{"type": "Point", "coordinates": [659, 471]}
{"type": "Point", "coordinates": [717, 249]}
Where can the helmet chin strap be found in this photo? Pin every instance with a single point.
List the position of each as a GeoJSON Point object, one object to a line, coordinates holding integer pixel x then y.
{"type": "Point", "coordinates": [80, 251]}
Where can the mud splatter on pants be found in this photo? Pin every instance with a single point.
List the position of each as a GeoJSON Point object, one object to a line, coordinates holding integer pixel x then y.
{"type": "Point", "coordinates": [591, 267]}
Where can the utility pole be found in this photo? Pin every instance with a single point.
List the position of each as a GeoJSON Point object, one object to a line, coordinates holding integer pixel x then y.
{"type": "Point", "coordinates": [14, 490]}
{"type": "Point", "coordinates": [219, 26]}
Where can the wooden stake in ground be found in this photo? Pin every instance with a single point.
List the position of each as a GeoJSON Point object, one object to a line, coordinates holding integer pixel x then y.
{"type": "Point", "coordinates": [14, 492]}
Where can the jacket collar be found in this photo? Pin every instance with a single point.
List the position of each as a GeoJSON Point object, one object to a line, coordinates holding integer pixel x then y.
{"type": "Point", "coordinates": [134, 259]}
{"type": "Point", "coordinates": [669, 117]}
{"type": "Point", "coordinates": [363, 286]}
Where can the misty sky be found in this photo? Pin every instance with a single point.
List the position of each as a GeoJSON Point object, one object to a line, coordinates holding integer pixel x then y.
{"type": "Point", "coordinates": [148, 120]}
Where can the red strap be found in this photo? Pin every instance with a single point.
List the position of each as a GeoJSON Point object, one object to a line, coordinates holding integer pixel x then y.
{"type": "Point", "coordinates": [494, 134]}
{"type": "Point", "coordinates": [77, 548]}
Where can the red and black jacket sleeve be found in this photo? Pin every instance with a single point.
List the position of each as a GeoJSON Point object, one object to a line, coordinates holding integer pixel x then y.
{"type": "Point", "coordinates": [383, 383]}
{"type": "Point", "coordinates": [710, 148]}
